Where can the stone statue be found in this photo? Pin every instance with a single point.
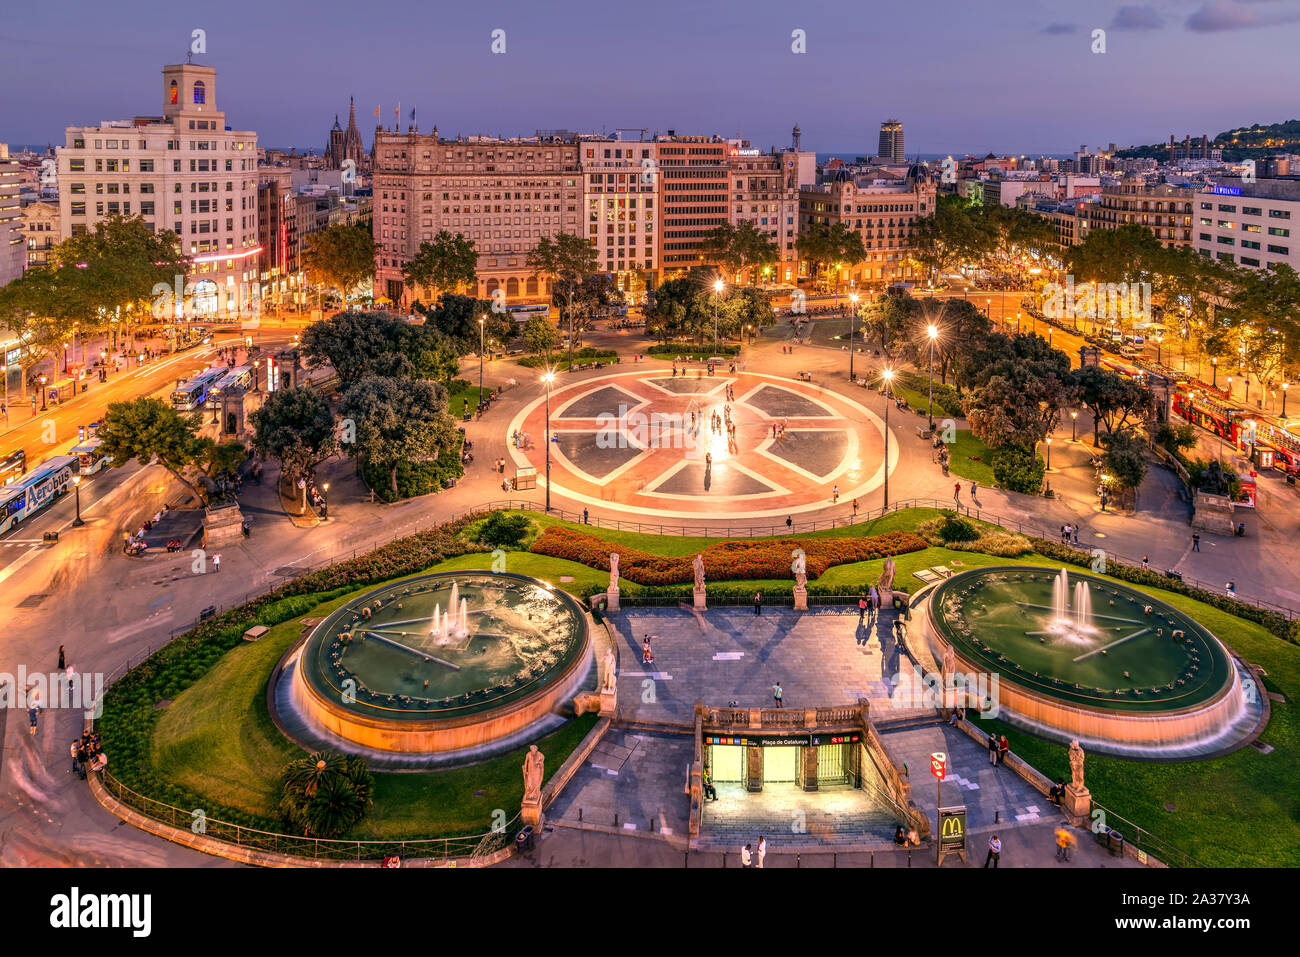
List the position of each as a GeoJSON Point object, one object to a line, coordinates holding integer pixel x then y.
{"type": "Point", "coordinates": [698, 564]}
{"type": "Point", "coordinates": [611, 672]}
{"type": "Point", "coordinates": [534, 765]}
{"type": "Point", "coordinates": [949, 661]}
{"type": "Point", "coordinates": [1076, 765]}
{"type": "Point", "coordinates": [613, 571]}
{"type": "Point", "coordinates": [801, 578]}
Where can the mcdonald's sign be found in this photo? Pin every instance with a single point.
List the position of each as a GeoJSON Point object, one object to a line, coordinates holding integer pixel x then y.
{"type": "Point", "coordinates": [952, 828]}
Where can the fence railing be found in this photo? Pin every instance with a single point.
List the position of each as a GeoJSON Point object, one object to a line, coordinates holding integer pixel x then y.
{"type": "Point", "coordinates": [1144, 840]}
{"type": "Point", "coordinates": [325, 849]}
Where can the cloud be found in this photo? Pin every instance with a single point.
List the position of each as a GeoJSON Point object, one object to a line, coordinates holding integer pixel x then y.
{"type": "Point", "coordinates": [1060, 28]}
{"type": "Point", "coordinates": [1137, 18]}
{"type": "Point", "coordinates": [1220, 16]}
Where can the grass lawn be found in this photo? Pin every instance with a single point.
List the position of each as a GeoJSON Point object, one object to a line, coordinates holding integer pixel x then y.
{"type": "Point", "coordinates": [218, 740]}
{"type": "Point", "coordinates": [962, 454]}
{"type": "Point", "coordinates": [456, 400]}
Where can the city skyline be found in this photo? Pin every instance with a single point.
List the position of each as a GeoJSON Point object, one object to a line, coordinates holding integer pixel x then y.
{"type": "Point", "coordinates": [1032, 86]}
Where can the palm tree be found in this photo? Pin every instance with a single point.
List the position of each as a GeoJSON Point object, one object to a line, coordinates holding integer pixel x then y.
{"type": "Point", "coordinates": [323, 794]}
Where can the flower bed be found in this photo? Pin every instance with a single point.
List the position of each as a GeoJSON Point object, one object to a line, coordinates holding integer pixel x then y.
{"type": "Point", "coordinates": [734, 560]}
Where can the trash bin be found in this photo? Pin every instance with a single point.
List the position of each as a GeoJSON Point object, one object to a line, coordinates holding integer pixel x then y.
{"type": "Point", "coordinates": [49, 537]}
{"type": "Point", "coordinates": [1241, 529]}
{"type": "Point", "coordinates": [524, 839]}
{"type": "Point", "coordinates": [1115, 843]}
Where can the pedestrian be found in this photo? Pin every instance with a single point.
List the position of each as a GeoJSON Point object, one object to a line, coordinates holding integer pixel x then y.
{"type": "Point", "coordinates": [1064, 534]}
{"type": "Point", "coordinates": [776, 695]}
{"type": "Point", "coordinates": [862, 610]}
{"type": "Point", "coordinates": [789, 522]}
{"type": "Point", "coordinates": [855, 508]}
{"type": "Point", "coordinates": [758, 603]}
{"type": "Point", "coordinates": [835, 493]}
{"type": "Point", "coordinates": [62, 663]}
{"type": "Point", "coordinates": [216, 563]}
{"type": "Point", "coordinates": [1196, 541]}
{"type": "Point", "coordinates": [746, 860]}
{"type": "Point", "coordinates": [1064, 841]}
{"type": "Point", "coordinates": [974, 487]}
{"type": "Point", "coordinates": [1146, 563]}
{"type": "Point", "coordinates": [1232, 589]}
{"type": "Point", "coordinates": [1003, 747]}
{"type": "Point", "coordinates": [993, 748]}
{"type": "Point", "coordinates": [647, 658]}
{"type": "Point", "coordinates": [1074, 530]}
{"type": "Point", "coordinates": [956, 492]}
{"type": "Point", "coordinates": [33, 707]}
{"type": "Point", "coordinates": [762, 850]}
{"type": "Point", "coordinates": [995, 852]}
{"type": "Point", "coordinates": [710, 792]}
{"type": "Point", "coordinates": [875, 598]}
{"type": "Point", "coordinates": [584, 517]}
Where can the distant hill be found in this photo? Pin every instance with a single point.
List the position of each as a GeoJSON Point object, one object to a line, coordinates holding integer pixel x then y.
{"type": "Point", "coordinates": [1253, 141]}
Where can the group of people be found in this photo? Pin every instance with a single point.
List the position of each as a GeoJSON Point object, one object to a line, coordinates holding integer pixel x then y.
{"type": "Point", "coordinates": [87, 754]}
{"type": "Point", "coordinates": [647, 656]}
{"type": "Point", "coordinates": [1070, 533]}
{"type": "Point", "coordinates": [307, 483]}
{"type": "Point", "coordinates": [751, 856]}
{"type": "Point", "coordinates": [940, 454]}
{"type": "Point", "coordinates": [998, 748]}
{"type": "Point", "coordinates": [906, 838]}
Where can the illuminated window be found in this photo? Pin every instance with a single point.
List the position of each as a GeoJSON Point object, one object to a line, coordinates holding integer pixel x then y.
{"type": "Point", "coordinates": [174, 96]}
{"type": "Point", "coordinates": [199, 92]}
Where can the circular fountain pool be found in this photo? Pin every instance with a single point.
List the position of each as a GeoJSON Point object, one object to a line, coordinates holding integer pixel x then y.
{"type": "Point", "coordinates": [1075, 655]}
{"type": "Point", "coordinates": [443, 662]}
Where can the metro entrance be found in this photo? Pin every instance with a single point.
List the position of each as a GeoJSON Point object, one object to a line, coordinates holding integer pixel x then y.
{"type": "Point", "coordinates": [807, 761]}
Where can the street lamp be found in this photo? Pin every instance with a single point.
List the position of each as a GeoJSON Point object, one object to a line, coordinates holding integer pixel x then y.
{"type": "Point", "coordinates": [1017, 323]}
{"type": "Point", "coordinates": [76, 484]}
{"type": "Point", "coordinates": [717, 290]}
{"type": "Point", "coordinates": [1104, 480]}
{"type": "Point", "coordinates": [43, 381]}
{"type": "Point", "coordinates": [1285, 386]}
{"type": "Point", "coordinates": [1049, 453]}
{"type": "Point", "coordinates": [1074, 426]}
{"type": "Point", "coordinates": [1215, 363]}
{"type": "Point", "coordinates": [988, 309]}
{"type": "Point", "coordinates": [932, 332]}
{"type": "Point", "coordinates": [853, 323]}
{"type": "Point", "coordinates": [888, 376]}
{"type": "Point", "coordinates": [548, 379]}
{"type": "Point", "coordinates": [481, 325]}
{"type": "Point", "coordinates": [324, 500]}
{"type": "Point", "coordinates": [1159, 342]}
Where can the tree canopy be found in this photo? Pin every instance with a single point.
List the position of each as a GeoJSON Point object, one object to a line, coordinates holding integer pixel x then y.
{"type": "Point", "coordinates": [341, 257]}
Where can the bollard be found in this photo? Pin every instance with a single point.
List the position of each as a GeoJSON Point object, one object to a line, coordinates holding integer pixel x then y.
{"type": "Point", "coordinates": [616, 819]}
{"type": "Point", "coordinates": [579, 815]}
{"type": "Point", "coordinates": [997, 816]}
{"type": "Point", "coordinates": [797, 863]}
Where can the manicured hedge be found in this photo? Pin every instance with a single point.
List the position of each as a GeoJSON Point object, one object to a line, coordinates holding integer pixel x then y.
{"type": "Point", "coordinates": [1283, 627]}
{"type": "Point", "coordinates": [690, 349]}
{"type": "Point", "coordinates": [738, 560]}
{"type": "Point", "coordinates": [560, 358]}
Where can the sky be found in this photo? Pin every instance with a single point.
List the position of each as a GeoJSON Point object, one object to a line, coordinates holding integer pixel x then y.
{"type": "Point", "coordinates": [1017, 76]}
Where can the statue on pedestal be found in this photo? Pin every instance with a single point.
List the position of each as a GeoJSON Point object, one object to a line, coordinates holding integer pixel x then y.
{"type": "Point", "coordinates": [801, 579]}
{"type": "Point", "coordinates": [611, 673]}
{"type": "Point", "coordinates": [534, 768]}
{"type": "Point", "coordinates": [698, 565]}
{"type": "Point", "coordinates": [1076, 765]}
{"type": "Point", "coordinates": [949, 661]}
{"type": "Point", "coordinates": [613, 571]}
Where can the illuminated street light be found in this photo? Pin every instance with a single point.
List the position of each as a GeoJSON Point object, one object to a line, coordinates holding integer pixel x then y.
{"type": "Point", "coordinates": [481, 320]}
{"type": "Point", "coordinates": [932, 333]}
{"type": "Point", "coordinates": [888, 376]}
{"type": "Point", "coordinates": [548, 378]}
{"type": "Point", "coordinates": [76, 484]}
{"type": "Point", "coordinates": [717, 290]}
{"type": "Point", "coordinates": [1074, 426]}
{"type": "Point", "coordinates": [853, 323]}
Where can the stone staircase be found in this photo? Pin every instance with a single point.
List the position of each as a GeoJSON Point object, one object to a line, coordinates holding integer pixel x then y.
{"type": "Point", "coordinates": [829, 818]}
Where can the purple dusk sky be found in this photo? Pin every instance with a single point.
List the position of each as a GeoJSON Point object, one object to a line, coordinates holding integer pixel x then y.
{"type": "Point", "coordinates": [1010, 75]}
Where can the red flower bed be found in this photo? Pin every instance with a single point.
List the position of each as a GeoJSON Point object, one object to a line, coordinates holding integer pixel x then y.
{"type": "Point", "coordinates": [723, 561]}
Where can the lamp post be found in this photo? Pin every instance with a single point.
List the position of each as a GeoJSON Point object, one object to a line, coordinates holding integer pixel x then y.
{"type": "Point", "coordinates": [1074, 426]}
{"type": "Point", "coordinates": [1229, 388]}
{"type": "Point", "coordinates": [43, 380]}
{"type": "Point", "coordinates": [1049, 453]}
{"type": "Point", "coordinates": [717, 290]}
{"type": "Point", "coordinates": [888, 375]}
{"type": "Point", "coordinates": [1285, 386]}
{"type": "Point", "coordinates": [479, 411]}
{"type": "Point", "coordinates": [988, 309]}
{"type": "Point", "coordinates": [1103, 491]}
{"type": "Point", "coordinates": [324, 500]}
{"type": "Point", "coordinates": [1159, 342]}
{"type": "Point", "coordinates": [1017, 323]}
{"type": "Point", "coordinates": [76, 485]}
{"type": "Point", "coordinates": [853, 323]}
{"type": "Point", "coordinates": [1215, 363]}
{"type": "Point", "coordinates": [932, 332]}
{"type": "Point", "coordinates": [548, 379]}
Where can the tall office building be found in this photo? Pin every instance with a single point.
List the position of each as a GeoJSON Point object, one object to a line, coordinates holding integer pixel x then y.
{"type": "Point", "coordinates": [694, 184]}
{"type": "Point", "coordinates": [620, 199]}
{"type": "Point", "coordinates": [13, 254]}
{"type": "Point", "coordinates": [186, 171]}
{"type": "Point", "coordinates": [504, 194]}
{"type": "Point", "coordinates": [891, 141]}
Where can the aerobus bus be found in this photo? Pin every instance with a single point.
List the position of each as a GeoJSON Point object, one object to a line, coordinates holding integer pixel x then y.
{"type": "Point", "coordinates": [522, 313]}
{"type": "Point", "coordinates": [34, 491]}
{"type": "Point", "coordinates": [239, 375]}
{"type": "Point", "coordinates": [13, 466]}
{"type": "Point", "coordinates": [193, 393]}
{"type": "Point", "coordinates": [89, 456]}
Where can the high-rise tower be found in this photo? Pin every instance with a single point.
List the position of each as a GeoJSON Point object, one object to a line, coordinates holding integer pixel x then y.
{"type": "Point", "coordinates": [891, 141]}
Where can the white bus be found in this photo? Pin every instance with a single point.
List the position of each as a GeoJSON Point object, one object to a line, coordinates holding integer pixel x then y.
{"type": "Point", "coordinates": [193, 394]}
{"type": "Point", "coordinates": [36, 490]}
{"type": "Point", "coordinates": [238, 375]}
{"type": "Point", "coordinates": [89, 456]}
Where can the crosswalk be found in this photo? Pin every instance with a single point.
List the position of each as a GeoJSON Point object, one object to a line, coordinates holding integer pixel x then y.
{"type": "Point", "coordinates": [22, 543]}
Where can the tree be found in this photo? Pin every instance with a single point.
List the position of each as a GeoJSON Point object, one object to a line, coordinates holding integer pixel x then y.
{"type": "Point", "coordinates": [741, 247]}
{"type": "Point", "coordinates": [1124, 462]}
{"type": "Point", "coordinates": [1115, 401]}
{"type": "Point", "coordinates": [296, 428]}
{"type": "Point", "coordinates": [457, 319]}
{"type": "Point", "coordinates": [145, 428]}
{"type": "Point", "coordinates": [540, 335]}
{"type": "Point", "coordinates": [446, 264]}
{"type": "Point", "coordinates": [568, 260]}
{"type": "Point", "coordinates": [356, 344]}
{"type": "Point", "coordinates": [836, 245]}
{"type": "Point", "coordinates": [25, 306]}
{"type": "Point", "coordinates": [225, 458]}
{"type": "Point", "coordinates": [323, 794]}
{"type": "Point", "coordinates": [341, 257]}
{"type": "Point", "coordinates": [1264, 322]}
{"type": "Point", "coordinates": [397, 420]}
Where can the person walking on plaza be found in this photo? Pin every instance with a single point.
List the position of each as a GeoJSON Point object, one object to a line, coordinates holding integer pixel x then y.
{"type": "Point", "coordinates": [1196, 541]}
{"type": "Point", "coordinates": [776, 695]}
{"type": "Point", "coordinates": [956, 492]}
{"type": "Point", "coordinates": [758, 603]}
{"type": "Point", "coordinates": [1064, 841]}
{"type": "Point", "coordinates": [1003, 747]}
{"type": "Point", "coordinates": [1232, 589]}
{"type": "Point", "coordinates": [855, 508]}
{"type": "Point", "coordinates": [62, 663]}
{"type": "Point", "coordinates": [835, 493]}
{"type": "Point", "coordinates": [974, 488]}
{"type": "Point", "coordinates": [875, 599]}
{"type": "Point", "coordinates": [1074, 530]}
{"type": "Point", "coordinates": [1146, 563]}
{"type": "Point", "coordinates": [646, 657]}
{"type": "Point", "coordinates": [993, 749]}
{"type": "Point", "coordinates": [216, 563]}
{"type": "Point", "coordinates": [584, 517]}
{"type": "Point", "coordinates": [746, 859]}
{"type": "Point", "coordinates": [995, 852]}
{"type": "Point", "coordinates": [762, 850]}
{"type": "Point", "coordinates": [862, 610]}
{"type": "Point", "coordinates": [789, 521]}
